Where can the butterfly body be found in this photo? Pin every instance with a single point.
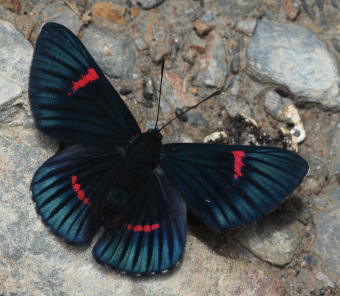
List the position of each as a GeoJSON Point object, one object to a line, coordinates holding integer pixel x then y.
{"type": "Point", "coordinates": [139, 159]}
{"type": "Point", "coordinates": [145, 150]}
{"type": "Point", "coordinates": [128, 182]}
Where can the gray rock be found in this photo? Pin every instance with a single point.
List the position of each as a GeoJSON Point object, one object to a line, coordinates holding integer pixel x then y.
{"type": "Point", "coordinates": [114, 53]}
{"type": "Point", "coordinates": [292, 9]}
{"type": "Point", "coordinates": [246, 27]}
{"type": "Point", "coordinates": [60, 13]}
{"type": "Point", "coordinates": [216, 69]}
{"type": "Point", "coordinates": [149, 90]}
{"type": "Point", "coordinates": [271, 240]}
{"type": "Point", "coordinates": [148, 4]}
{"type": "Point", "coordinates": [283, 109]}
{"type": "Point", "coordinates": [335, 150]}
{"type": "Point", "coordinates": [141, 44]}
{"type": "Point", "coordinates": [295, 58]}
{"type": "Point", "coordinates": [336, 43]}
{"type": "Point", "coordinates": [159, 49]}
{"type": "Point", "coordinates": [15, 60]}
{"type": "Point", "coordinates": [8, 113]}
{"type": "Point", "coordinates": [195, 13]}
{"type": "Point", "coordinates": [236, 106]}
{"type": "Point", "coordinates": [327, 225]}
{"type": "Point", "coordinates": [208, 16]}
{"type": "Point", "coordinates": [189, 56]}
{"type": "Point", "coordinates": [173, 94]}
{"type": "Point", "coordinates": [235, 88]}
{"type": "Point", "coordinates": [235, 44]}
{"type": "Point", "coordinates": [235, 64]}
{"type": "Point", "coordinates": [317, 176]}
{"type": "Point", "coordinates": [275, 105]}
{"type": "Point", "coordinates": [197, 119]}
{"type": "Point", "coordinates": [197, 43]}
{"type": "Point", "coordinates": [9, 90]}
{"type": "Point", "coordinates": [238, 8]}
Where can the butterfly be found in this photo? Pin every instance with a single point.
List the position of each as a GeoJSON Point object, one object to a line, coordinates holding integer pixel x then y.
{"type": "Point", "coordinates": [116, 177]}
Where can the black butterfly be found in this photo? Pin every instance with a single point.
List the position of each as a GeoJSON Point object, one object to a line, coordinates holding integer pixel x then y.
{"type": "Point", "coordinates": [128, 181]}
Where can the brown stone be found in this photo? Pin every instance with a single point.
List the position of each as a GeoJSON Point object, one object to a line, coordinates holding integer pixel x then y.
{"type": "Point", "coordinates": [110, 12]}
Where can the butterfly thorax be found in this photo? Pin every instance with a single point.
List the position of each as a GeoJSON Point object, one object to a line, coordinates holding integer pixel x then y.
{"type": "Point", "coordinates": [141, 158]}
{"type": "Point", "coordinates": [144, 151]}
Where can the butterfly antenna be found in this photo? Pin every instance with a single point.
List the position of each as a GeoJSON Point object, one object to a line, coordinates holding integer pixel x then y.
{"type": "Point", "coordinates": [160, 92]}
{"type": "Point", "coordinates": [216, 93]}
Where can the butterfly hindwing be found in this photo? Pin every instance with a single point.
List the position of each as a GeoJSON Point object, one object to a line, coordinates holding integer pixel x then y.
{"type": "Point", "coordinates": [71, 98]}
{"type": "Point", "coordinates": [69, 190]}
{"type": "Point", "coordinates": [149, 234]}
{"type": "Point", "coordinates": [228, 186]}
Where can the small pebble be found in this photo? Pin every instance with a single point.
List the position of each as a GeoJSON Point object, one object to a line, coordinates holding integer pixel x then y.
{"type": "Point", "coordinates": [197, 119]}
{"type": "Point", "coordinates": [148, 4]}
{"type": "Point", "coordinates": [149, 91]}
{"type": "Point", "coordinates": [195, 13]}
{"type": "Point", "coordinates": [201, 28]}
{"type": "Point", "coordinates": [246, 27]}
{"type": "Point", "coordinates": [235, 64]}
{"type": "Point", "coordinates": [181, 117]}
{"type": "Point", "coordinates": [189, 56]}
{"type": "Point", "coordinates": [283, 109]}
{"type": "Point", "coordinates": [159, 49]}
{"type": "Point", "coordinates": [215, 137]}
{"type": "Point", "coordinates": [141, 44]}
{"type": "Point", "coordinates": [125, 91]}
{"type": "Point", "coordinates": [292, 9]}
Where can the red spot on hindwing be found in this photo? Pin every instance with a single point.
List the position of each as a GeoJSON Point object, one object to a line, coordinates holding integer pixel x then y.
{"type": "Point", "coordinates": [91, 75]}
{"type": "Point", "coordinates": [80, 193]}
{"type": "Point", "coordinates": [145, 228]}
{"type": "Point", "coordinates": [238, 163]}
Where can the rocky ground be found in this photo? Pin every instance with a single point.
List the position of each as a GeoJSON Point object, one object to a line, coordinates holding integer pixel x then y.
{"type": "Point", "coordinates": [276, 62]}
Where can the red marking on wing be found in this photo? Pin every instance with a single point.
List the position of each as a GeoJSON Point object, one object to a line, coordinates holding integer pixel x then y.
{"type": "Point", "coordinates": [84, 80]}
{"type": "Point", "coordinates": [238, 163]}
{"type": "Point", "coordinates": [145, 228]}
{"type": "Point", "coordinates": [80, 193]}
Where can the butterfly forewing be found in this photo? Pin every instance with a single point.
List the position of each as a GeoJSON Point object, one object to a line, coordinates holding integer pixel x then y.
{"type": "Point", "coordinates": [70, 188]}
{"type": "Point", "coordinates": [149, 234]}
{"type": "Point", "coordinates": [70, 96]}
{"type": "Point", "coordinates": [228, 186]}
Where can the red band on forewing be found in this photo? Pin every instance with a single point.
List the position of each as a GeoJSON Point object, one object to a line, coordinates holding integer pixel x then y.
{"type": "Point", "coordinates": [80, 193]}
{"type": "Point", "coordinates": [238, 163]}
{"type": "Point", "coordinates": [145, 228]}
{"type": "Point", "coordinates": [85, 80]}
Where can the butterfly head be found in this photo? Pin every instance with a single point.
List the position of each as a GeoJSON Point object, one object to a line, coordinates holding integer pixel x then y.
{"type": "Point", "coordinates": [155, 132]}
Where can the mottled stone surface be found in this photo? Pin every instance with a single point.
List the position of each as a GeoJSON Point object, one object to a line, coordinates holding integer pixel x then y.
{"type": "Point", "coordinates": [283, 109]}
{"type": "Point", "coordinates": [148, 4]}
{"type": "Point", "coordinates": [15, 59]}
{"type": "Point", "coordinates": [246, 27]}
{"type": "Point", "coordinates": [114, 53]}
{"type": "Point", "coordinates": [174, 94]}
{"type": "Point", "coordinates": [197, 119]}
{"type": "Point", "coordinates": [335, 150]}
{"type": "Point", "coordinates": [216, 68]}
{"type": "Point", "coordinates": [293, 57]}
{"type": "Point", "coordinates": [327, 221]}
{"type": "Point", "coordinates": [272, 240]}
{"type": "Point", "coordinates": [236, 106]}
{"type": "Point", "coordinates": [60, 13]}
{"type": "Point", "coordinates": [238, 8]}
